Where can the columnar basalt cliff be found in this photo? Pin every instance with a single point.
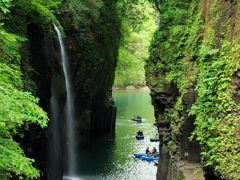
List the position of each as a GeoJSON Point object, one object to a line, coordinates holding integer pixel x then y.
{"type": "Point", "coordinates": [92, 39]}
{"type": "Point", "coordinates": [193, 74]}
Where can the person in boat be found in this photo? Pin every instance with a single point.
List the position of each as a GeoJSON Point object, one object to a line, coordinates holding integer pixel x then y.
{"type": "Point", "coordinates": [138, 117]}
{"type": "Point", "coordinates": [135, 117]}
{"type": "Point", "coordinates": [148, 152]}
{"type": "Point", "coordinates": [154, 151]}
{"type": "Point", "coordinates": [140, 133]}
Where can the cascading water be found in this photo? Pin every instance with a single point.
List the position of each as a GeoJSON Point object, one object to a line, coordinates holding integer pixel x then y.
{"type": "Point", "coordinates": [69, 110]}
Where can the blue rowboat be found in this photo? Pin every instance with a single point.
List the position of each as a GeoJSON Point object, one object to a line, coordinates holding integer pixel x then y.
{"type": "Point", "coordinates": [139, 155]}
{"type": "Point", "coordinates": [139, 137]}
{"type": "Point", "coordinates": [149, 158]}
{"type": "Point", "coordinates": [144, 157]}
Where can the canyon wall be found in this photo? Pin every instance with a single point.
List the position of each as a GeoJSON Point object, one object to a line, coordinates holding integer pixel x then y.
{"type": "Point", "coordinates": [193, 74]}
{"type": "Point", "coordinates": [91, 36]}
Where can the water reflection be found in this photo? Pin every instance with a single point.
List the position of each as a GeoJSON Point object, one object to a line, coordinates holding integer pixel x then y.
{"type": "Point", "coordinates": [97, 157]}
{"type": "Point", "coordinates": [110, 157]}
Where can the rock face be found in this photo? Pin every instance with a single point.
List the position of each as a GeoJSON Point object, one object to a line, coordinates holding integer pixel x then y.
{"type": "Point", "coordinates": [91, 40]}
{"type": "Point", "coordinates": [182, 160]}
{"type": "Point", "coordinates": [45, 61]}
{"type": "Point", "coordinates": [193, 65]}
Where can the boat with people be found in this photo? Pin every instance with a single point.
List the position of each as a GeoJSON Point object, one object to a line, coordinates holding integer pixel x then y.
{"type": "Point", "coordinates": [149, 155]}
{"type": "Point", "coordinates": [146, 157]}
{"type": "Point", "coordinates": [139, 135]}
{"type": "Point", "coordinates": [137, 118]}
{"type": "Point", "coordinates": [155, 139]}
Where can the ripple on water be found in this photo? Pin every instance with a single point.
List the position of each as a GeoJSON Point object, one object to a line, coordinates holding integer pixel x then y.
{"type": "Point", "coordinates": [110, 157]}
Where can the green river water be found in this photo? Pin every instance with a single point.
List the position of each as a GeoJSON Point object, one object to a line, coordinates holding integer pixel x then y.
{"type": "Point", "coordinates": [110, 157]}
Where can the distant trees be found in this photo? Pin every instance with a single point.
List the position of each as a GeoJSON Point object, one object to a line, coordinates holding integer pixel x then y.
{"type": "Point", "coordinates": [138, 22]}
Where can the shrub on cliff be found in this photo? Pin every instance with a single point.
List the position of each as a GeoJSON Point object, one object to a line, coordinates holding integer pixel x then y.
{"type": "Point", "coordinates": [18, 108]}
{"type": "Point", "coordinates": [195, 51]}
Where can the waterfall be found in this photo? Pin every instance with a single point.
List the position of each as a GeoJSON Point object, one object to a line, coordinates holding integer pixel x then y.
{"type": "Point", "coordinates": [69, 109]}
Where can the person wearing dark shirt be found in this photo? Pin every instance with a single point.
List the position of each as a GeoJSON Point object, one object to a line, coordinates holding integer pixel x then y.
{"type": "Point", "coordinates": [148, 151]}
{"type": "Point", "coordinates": [154, 151]}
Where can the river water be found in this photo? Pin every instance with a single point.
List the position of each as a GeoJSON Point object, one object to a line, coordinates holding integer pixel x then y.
{"type": "Point", "coordinates": [110, 157]}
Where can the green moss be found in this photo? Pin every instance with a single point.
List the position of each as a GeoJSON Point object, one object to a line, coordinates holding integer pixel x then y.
{"type": "Point", "coordinates": [19, 108]}
{"type": "Point", "coordinates": [194, 54]}
{"type": "Point", "coordinates": [216, 120]}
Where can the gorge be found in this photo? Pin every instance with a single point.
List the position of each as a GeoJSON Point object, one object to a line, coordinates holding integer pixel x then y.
{"type": "Point", "coordinates": [58, 60]}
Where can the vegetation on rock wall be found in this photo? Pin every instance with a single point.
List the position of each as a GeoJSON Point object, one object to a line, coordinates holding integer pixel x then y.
{"type": "Point", "coordinates": [93, 34]}
{"type": "Point", "coordinates": [92, 28]}
{"type": "Point", "coordinates": [194, 50]}
{"type": "Point", "coordinates": [18, 107]}
{"type": "Point", "coordinates": [138, 22]}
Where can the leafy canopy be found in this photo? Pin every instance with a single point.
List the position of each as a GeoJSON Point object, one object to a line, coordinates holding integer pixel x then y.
{"type": "Point", "coordinates": [18, 108]}
{"type": "Point", "coordinates": [184, 53]}
{"type": "Point", "coordinates": [138, 22]}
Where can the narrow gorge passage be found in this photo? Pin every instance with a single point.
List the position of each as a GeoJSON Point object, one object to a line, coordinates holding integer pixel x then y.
{"type": "Point", "coordinates": [110, 156]}
{"type": "Point", "coordinates": [73, 77]}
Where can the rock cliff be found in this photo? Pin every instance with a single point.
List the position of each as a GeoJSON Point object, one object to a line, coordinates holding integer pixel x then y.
{"type": "Point", "coordinates": [193, 76]}
{"type": "Point", "coordinates": [91, 36]}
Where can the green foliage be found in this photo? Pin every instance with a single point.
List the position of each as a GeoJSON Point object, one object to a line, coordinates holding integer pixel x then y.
{"type": "Point", "coordinates": [12, 160]}
{"type": "Point", "coordinates": [10, 76]}
{"type": "Point", "coordinates": [137, 27]}
{"type": "Point", "coordinates": [4, 7]}
{"type": "Point", "coordinates": [84, 12]}
{"type": "Point", "coordinates": [95, 24]}
{"type": "Point", "coordinates": [52, 5]}
{"type": "Point", "coordinates": [129, 70]}
{"type": "Point", "coordinates": [183, 53]}
{"type": "Point", "coordinates": [167, 48]}
{"type": "Point", "coordinates": [216, 112]}
{"type": "Point", "coordinates": [18, 108]}
{"type": "Point", "coordinates": [136, 13]}
{"type": "Point", "coordinates": [15, 14]}
{"type": "Point", "coordinates": [41, 12]}
{"type": "Point", "coordinates": [9, 46]}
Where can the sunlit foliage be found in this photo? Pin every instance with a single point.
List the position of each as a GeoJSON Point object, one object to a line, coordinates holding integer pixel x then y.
{"type": "Point", "coordinates": [18, 108]}
{"type": "Point", "coordinates": [184, 52]}
{"type": "Point", "coordinates": [138, 22]}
